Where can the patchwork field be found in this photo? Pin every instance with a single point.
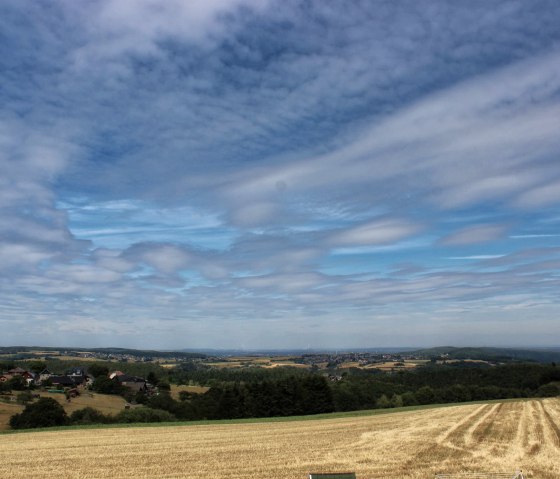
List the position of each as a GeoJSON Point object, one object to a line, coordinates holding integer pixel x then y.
{"type": "Point", "coordinates": [414, 444]}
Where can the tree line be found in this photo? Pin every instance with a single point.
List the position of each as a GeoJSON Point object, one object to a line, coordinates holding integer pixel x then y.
{"type": "Point", "coordinates": [260, 392]}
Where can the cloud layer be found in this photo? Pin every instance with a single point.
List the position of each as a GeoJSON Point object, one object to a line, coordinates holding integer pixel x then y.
{"type": "Point", "coordinates": [279, 174]}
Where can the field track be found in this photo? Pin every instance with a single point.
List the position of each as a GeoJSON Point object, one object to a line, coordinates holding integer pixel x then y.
{"type": "Point", "coordinates": [414, 444]}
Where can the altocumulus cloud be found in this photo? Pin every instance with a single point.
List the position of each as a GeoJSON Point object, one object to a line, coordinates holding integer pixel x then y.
{"type": "Point", "coordinates": [279, 174]}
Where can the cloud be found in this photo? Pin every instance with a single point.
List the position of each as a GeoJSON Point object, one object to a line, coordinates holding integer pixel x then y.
{"type": "Point", "coordinates": [478, 256]}
{"type": "Point", "coordinates": [165, 258]}
{"type": "Point", "coordinates": [255, 214]}
{"type": "Point", "coordinates": [116, 28]}
{"type": "Point", "coordinates": [465, 145]}
{"type": "Point", "coordinates": [475, 234]}
{"type": "Point", "coordinates": [544, 194]}
{"type": "Point", "coordinates": [263, 168]}
{"type": "Point", "coordinates": [374, 233]}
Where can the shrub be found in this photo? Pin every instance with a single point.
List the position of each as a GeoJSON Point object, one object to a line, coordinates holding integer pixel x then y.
{"type": "Point", "coordinates": [89, 415]}
{"type": "Point", "coordinates": [383, 402]}
{"type": "Point", "coordinates": [24, 397]}
{"type": "Point", "coordinates": [409, 399]}
{"type": "Point", "coordinates": [397, 401]}
{"type": "Point", "coordinates": [164, 386]}
{"type": "Point", "coordinates": [549, 390]}
{"type": "Point", "coordinates": [425, 395]}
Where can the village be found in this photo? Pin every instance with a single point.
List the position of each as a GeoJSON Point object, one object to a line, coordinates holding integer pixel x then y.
{"type": "Point", "coordinates": [19, 385]}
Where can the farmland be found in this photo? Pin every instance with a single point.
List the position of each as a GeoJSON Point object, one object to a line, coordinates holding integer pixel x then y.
{"type": "Point", "coordinates": [408, 444]}
{"type": "Point", "coordinates": [105, 403]}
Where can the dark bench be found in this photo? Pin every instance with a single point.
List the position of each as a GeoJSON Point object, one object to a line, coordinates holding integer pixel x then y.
{"type": "Point", "coordinates": [332, 475]}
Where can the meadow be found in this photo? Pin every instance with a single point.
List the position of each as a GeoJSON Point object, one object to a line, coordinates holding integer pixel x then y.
{"type": "Point", "coordinates": [500, 436]}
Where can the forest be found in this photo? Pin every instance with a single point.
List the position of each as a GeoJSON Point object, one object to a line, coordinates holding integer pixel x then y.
{"type": "Point", "coordinates": [259, 392]}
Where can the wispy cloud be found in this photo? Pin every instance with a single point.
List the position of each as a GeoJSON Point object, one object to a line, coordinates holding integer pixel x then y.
{"type": "Point", "coordinates": [475, 234]}
{"type": "Point", "coordinates": [278, 172]}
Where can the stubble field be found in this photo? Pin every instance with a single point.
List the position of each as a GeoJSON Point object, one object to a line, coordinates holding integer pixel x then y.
{"type": "Point", "coordinates": [415, 444]}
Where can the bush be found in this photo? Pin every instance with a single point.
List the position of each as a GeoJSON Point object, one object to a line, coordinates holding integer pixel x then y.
{"type": "Point", "coordinates": [164, 386]}
{"type": "Point", "coordinates": [185, 395]}
{"type": "Point", "coordinates": [89, 415]}
{"type": "Point", "coordinates": [425, 395]}
{"type": "Point", "coordinates": [549, 390]}
{"type": "Point", "coordinates": [409, 399]}
{"type": "Point", "coordinates": [24, 397]}
{"type": "Point", "coordinates": [397, 401]}
{"type": "Point", "coordinates": [46, 412]}
{"type": "Point", "coordinates": [144, 414]}
{"type": "Point", "coordinates": [383, 402]}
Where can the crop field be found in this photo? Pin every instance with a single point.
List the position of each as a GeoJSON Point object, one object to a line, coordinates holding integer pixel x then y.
{"type": "Point", "coordinates": [409, 444]}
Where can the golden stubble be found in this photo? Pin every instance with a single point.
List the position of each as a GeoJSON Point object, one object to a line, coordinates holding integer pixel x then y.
{"type": "Point", "coordinates": [497, 437]}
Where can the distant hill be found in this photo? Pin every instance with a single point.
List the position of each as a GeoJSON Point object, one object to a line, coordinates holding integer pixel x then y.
{"type": "Point", "coordinates": [492, 354]}
{"type": "Point", "coordinates": [124, 351]}
{"type": "Point", "coordinates": [296, 352]}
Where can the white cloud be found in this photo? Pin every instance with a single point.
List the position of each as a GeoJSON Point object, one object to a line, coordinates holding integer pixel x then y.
{"type": "Point", "coordinates": [475, 234]}
{"type": "Point", "coordinates": [222, 157]}
{"type": "Point", "coordinates": [473, 142]}
{"type": "Point", "coordinates": [542, 195]}
{"type": "Point", "coordinates": [165, 258]}
{"type": "Point", "coordinates": [374, 233]}
{"type": "Point", "coordinates": [138, 27]}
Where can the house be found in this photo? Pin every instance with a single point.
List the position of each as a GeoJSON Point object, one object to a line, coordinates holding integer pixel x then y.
{"type": "Point", "coordinates": [134, 383]}
{"type": "Point", "coordinates": [115, 374]}
{"type": "Point", "coordinates": [76, 372]}
{"type": "Point", "coordinates": [27, 375]}
{"type": "Point", "coordinates": [43, 376]}
{"type": "Point", "coordinates": [63, 381]}
{"type": "Point", "coordinates": [78, 375]}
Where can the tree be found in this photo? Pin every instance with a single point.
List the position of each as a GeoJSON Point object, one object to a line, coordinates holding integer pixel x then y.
{"type": "Point", "coordinates": [104, 385]}
{"type": "Point", "coordinates": [185, 395]}
{"type": "Point", "coordinates": [6, 365]}
{"type": "Point", "coordinates": [152, 378]}
{"type": "Point", "coordinates": [46, 412]}
{"type": "Point", "coordinates": [98, 370]}
{"type": "Point", "coordinates": [17, 383]}
{"type": "Point", "coordinates": [88, 415]}
{"type": "Point", "coordinates": [425, 395]}
{"type": "Point", "coordinates": [37, 366]}
{"type": "Point", "coordinates": [409, 399]}
{"type": "Point", "coordinates": [397, 400]}
{"type": "Point", "coordinates": [383, 402]}
{"type": "Point", "coordinates": [164, 386]}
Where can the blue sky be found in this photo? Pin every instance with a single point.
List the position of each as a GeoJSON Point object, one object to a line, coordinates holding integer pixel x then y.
{"type": "Point", "coordinates": [261, 174]}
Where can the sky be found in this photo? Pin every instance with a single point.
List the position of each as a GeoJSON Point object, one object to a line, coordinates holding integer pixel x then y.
{"type": "Point", "coordinates": [279, 174]}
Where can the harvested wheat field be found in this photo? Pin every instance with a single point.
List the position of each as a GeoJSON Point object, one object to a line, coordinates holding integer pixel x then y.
{"type": "Point", "coordinates": [414, 444]}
